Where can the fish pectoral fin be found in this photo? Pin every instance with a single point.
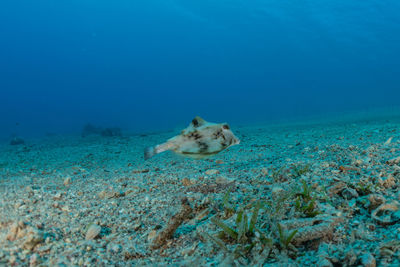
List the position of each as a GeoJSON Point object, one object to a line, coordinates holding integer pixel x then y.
{"type": "Point", "coordinates": [197, 122]}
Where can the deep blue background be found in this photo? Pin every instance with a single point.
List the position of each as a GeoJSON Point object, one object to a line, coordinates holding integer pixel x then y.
{"type": "Point", "coordinates": [155, 64]}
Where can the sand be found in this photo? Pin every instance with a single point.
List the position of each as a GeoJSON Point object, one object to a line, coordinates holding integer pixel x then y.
{"type": "Point", "coordinates": [94, 201]}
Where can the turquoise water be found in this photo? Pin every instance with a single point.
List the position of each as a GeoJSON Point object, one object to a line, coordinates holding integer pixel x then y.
{"type": "Point", "coordinates": [151, 65]}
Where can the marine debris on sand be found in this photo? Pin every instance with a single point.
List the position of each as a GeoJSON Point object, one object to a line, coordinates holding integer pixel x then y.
{"type": "Point", "coordinates": [172, 225]}
{"type": "Point", "coordinates": [312, 194]}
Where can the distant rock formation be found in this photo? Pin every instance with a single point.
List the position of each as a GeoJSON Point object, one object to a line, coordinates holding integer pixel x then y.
{"type": "Point", "coordinates": [112, 132]}
{"type": "Point", "coordinates": [17, 141]}
{"type": "Point", "coordinates": [90, 129]}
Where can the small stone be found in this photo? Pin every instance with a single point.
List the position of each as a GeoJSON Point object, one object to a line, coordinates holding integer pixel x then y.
{"type": "Point", "coordinates": [264, 171]}
{"type": "Point", "coordinates": [276, 190]}
{"type": "Point", "coordinates": [103, 194]}
{"type": "Point", "coordinates": [222, 180]}
{"type": "Point", "coordinates": [152, 235]}
{"type": "Point", "coordinates": [358, 162]}
{"type": "Point", "coordinates": [66, 209]}
{"type": "Point", "coordinates": [388, 182]}
{"type": "Point", "coordinates": [18, 204]}
{"type": "Point", "coordinates": [29, 189]}
{"type": "Point", "coordinates": [12, 233]}
{"type": "Point", "coordinates": [386, 214]}
{"type": "Point", "coordinates": [186, 182]}
{"type": "Point", "coordinates": [323, 262]}
{"type": "Point", "coordinates": [336, 188]}
{"type": "Point", "coordinates": [393, 161]}
{"type": "Point", "coordinates": [212, 172]}
{"type": "Point", "coordinates": [367, 260]}
{"type": "Point", "coordinates": [57, 196]}
{"type": "Point", "coordinates": [137, 226]}
{"type": "Point", "coordinates": [21, 224]}
{"type": "Point", "coordinates": [12, 260]}
{"type": "Point", "coordinates": [351, 257]}
{"type": "Point", "coordinates": [349, 193]}
{"type": "Point", "coordinates": [114, 248]}
{"type": "Point", "coordinates": [34, 259]}
{"type": "Point", "coordinates": [33, 237]}
{"type": "Point", "coordinates": [141, 171]}
{"type": "Point", "coordinates": [93, 232]}
{"type": "Point", "coordinates": [325, 164]}
{"type": "Point", "coordinates": [375, 201]}
{"type": "Point", "coordinates": [371, 227]}
{"type": "Point", "coordinates": [388, 141]}
{"type": "Point", "coordinates": [67, 181]}
{"type": "Point", "coordinates": [385, 252]}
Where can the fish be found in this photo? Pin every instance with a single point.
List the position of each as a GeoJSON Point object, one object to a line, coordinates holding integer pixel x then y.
{"type": "Point", "coordinates": [201, 139]}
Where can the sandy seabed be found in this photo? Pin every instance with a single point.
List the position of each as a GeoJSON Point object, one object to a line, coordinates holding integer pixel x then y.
{"type": "Point", "coordinates": [312, 193]}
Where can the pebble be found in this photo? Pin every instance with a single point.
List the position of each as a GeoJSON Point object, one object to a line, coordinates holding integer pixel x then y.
{"type": "Point", "coordinates": [57, 196]}
{"type": "Point", "coordinates": [34, 259]}
{"type": "Point", "coordinates": [264, 171]}
{"type": "Point", "coordinates": [387, 182]}
{"type": "Point", "coordinates": [393, 161]}
{"type": "Point", "coordinates": [12, 233]}
{"type": "Point", "coordinates": [114, 248]}
{"type": "Point", "coordinates": [67, 181]}
{"type": "Point", "coordinates": [368, 260]}
{"type": "Point", "coordinates": [222, 180]}
{"type": "Point", "coordinates": [375, 200]}
{"type": "Point", "coordinates": [12, 260]}
{"type": "Point", "coordinates": [93, 232]}
{"type": "Point", "coordinates": [276, 190]}
{"type": "Point", "coordinates": [186, 182]}
{"type": "Point", "coordinates": [212, 172]}
{"type": "Point", "coordinates": [33, 237]}
{"type": "Point", "coordinates": [323, 262]}
{"type": "Point", "coordinates": [152, 235]}
{"type": "Point", "coordinates": [349, 193]}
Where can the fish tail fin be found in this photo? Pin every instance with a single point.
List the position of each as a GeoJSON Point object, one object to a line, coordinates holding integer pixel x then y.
{"type": "Point", "coordinates": [149, 152]}
{"type": "Point", "coordinates": [153, 150]}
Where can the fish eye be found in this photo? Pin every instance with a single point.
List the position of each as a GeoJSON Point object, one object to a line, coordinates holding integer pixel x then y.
{"type": "Point", "coordinates": [225, 127]}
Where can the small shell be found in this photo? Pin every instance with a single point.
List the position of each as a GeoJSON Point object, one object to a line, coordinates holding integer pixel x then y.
{"type": "Point", "coordinates": [388, 141]}
{"type": "Point", "coordinates": [212, 172]}
{"type": "Point", "coordinates": [93, 231]}
{"type": "Point", "coordinates": [152, 235]}
{"type": "Point", "coordinates": [386, 214]}
{"type": "Point", "coordinates": [67, 181]}
{"type": "Point", "coordinates": [393, 161]}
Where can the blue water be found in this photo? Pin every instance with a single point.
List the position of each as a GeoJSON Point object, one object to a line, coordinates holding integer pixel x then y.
{"type": "Point", "coordinates": [149, 65]}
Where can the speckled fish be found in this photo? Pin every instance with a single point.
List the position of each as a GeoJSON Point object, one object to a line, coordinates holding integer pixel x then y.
{"type": "Point", "coordinates": [201, 139]}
